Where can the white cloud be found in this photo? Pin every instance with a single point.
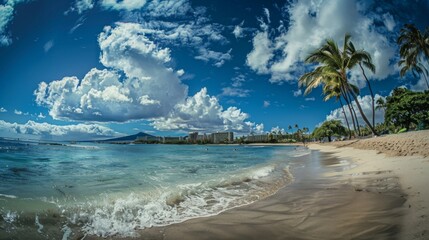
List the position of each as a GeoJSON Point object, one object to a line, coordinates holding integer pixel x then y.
{"type": "Point", "coordinates": [128, 5]}
{"type": "Point", "coordinates": [282, 54]}
{"type": "Point", "coordinates": [149, 89]}
{"type": "Point", "coordinates": [238, 30]}
{"type": "Point", "coordinates": [203, 112]}
{"type": "Point", "coordinates": [168, 8]}
{"type": "Point", "coordinates": [259, 128]}
{"type": "Point", "coordinates": [17, 112]}
{"type": "Point", "coordinates": [267, 14]}
{"type": "Point", "coordinates": [421, 84]}
{"type": "Point", "coordinates": [48, 45]}
{"type": "Point", "coordinates": [261, 54]}
{"type": "Point", "coordinates": [6, 16]}
{"type": "Point", "coordinates": [238, 80]}
{"type": "Point", "coordinates": [310, 99]}
{"type": "Point", "coordinates": [180, 72]}
{"type": "Point", "coordinates": [277, 129]}
{"type": "Point", "coordinates": [81, 6]}
{"type": "Point", "coordinates": [217, 57]}
{"type": "Point", "coordinates": [235, 92]}
{"type": "Point", "coordinates": [266, 104]}
{"type": "Point", "coordinates": [389, 22]}
{"type": "Point", "coordinates": [196, 35]}
{"type": "Point", "coordinates": [297, 93]}
{"type": "Point", "coordinates": [41, 115]}
{"type": "Point", "coordinates": [2, 110]}
{"type": "Point", "coordinates": [49, 131]}
{"type": "Point", "coordinates": [366, 105]}
{"type": "Point", "coordinates": [137, 84]}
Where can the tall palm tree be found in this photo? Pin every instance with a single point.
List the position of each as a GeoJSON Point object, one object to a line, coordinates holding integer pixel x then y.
{"type": "Point", "coordinates": [367, 62]}
{"type": "Point", "coordinates": [334, 63]}
{"type": "Point", "coordinates": [414, 45]}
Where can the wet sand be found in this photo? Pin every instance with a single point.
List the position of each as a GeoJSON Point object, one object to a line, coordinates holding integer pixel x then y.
{"type": "Point", "coordinates": [406, 157]}
{"type": "Point", "coordinates": [324, 202]}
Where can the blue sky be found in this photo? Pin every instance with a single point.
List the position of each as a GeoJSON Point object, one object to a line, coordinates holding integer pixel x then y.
{"type": "Point", "coordinates": [89, 69]}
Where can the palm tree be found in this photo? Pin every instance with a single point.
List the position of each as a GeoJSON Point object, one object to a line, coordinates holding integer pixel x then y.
{"type": "Point", "coordinates": [332, 89]}
{"type": "Point", "coordinates": [334, 63]}
{"type": "Point", "coordinates": [381, 104]}
{"type": "Point", "coordinates": [367, 62]}
{"type": "Point", "coordinates": [414, 46]}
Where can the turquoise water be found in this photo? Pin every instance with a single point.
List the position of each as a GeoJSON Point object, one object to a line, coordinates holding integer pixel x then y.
{"type": "Point", "coordinates": [114, 190]}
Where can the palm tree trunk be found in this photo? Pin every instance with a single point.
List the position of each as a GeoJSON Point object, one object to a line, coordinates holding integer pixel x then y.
{"type": "Point", "coordinates": [347, 121]}
{"type": "Point", "coordinates": [353, 112]}
{"type": "Point", "coordinates": [365, 119]}
{"type": "Point", "coordinates": [426, 79]}
{"type": "Point", "coordinates": [372, 94]}
{"type": "Point", "coordinates": [356, 118]}
{"type": "Point", "coordinates": [349, 106]}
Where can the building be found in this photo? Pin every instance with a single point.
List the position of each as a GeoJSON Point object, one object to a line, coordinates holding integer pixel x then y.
{"type": "Point", "coordinates": [149, 139]}
{"type": "Point", "coordinates": [172, 139]}
{"type": "Point", "coordinates": [193, 137]}
{"type": "Point", "coordinates": [257, 138]}
{"type": "Point", "coordinates": [222, 137]}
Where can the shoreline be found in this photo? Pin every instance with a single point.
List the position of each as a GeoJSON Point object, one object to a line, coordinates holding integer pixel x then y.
{"type": "Point", "coordinates": [326, 196]}
{"type": "Point", "coordinates": [356, 186]}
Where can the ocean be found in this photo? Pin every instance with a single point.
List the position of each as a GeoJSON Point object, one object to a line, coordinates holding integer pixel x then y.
{"type": "Point", "coordinates": [87, 189]}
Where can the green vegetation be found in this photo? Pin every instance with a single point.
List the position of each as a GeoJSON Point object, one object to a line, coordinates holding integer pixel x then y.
{"type": "Point", "coordinates": [329, 129]}
{"type": "Point", "coordinates": [414, 47]}
{"type": "Point", "coordinates": [404, 109]}
{"type": "Point", "coordinates": [333, 67]}
{"type": "Point", "coordinates": [407, 109]}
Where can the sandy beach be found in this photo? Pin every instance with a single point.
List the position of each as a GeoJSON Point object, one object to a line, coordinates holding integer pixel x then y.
{"type": "Point", "coordinates": [403, 155]}
{"type": "Point", "coordinates": [353, 190]}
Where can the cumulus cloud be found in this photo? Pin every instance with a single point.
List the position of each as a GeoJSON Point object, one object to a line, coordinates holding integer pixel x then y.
{"type": "Point", "coordinates": [149, 88]}
{"type": "Point", "coordinates": [203, 112]}
{"type": "Point", "coordinates": [366, 105]}
{"type": "Point", "coordinates": [128, 5]}
{"type": "Point", "coordinates": [2, 110]}
{"type": "Point", "coordinates": [49, 131]}
{"type": "Point", "coordinates": [280, 51]}
{"type": "Point", "coordinates": [277, 129]}
{"type": "Point", "coordinates": [138, 83]}
{"type": "Point", "coordinates": [6, 16]}
{"type": "Point", "coordinates": [261, 53]}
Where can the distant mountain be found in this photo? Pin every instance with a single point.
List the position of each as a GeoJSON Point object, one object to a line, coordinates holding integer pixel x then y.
{"type": "Point", "coordinates": [129, 138]}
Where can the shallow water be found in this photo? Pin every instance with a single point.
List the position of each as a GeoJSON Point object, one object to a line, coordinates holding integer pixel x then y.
{"type": "Point", "coordinates": [64, 191]}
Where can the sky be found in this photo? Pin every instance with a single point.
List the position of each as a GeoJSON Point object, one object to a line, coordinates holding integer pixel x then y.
{"type": "Point", "coordinates": [94, 69]}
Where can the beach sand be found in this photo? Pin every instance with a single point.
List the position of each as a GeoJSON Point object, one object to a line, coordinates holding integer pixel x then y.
{"type": "Point", "coordinates": [406, 157]}
{"type": "Point", "coordinates": [341, 192]}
